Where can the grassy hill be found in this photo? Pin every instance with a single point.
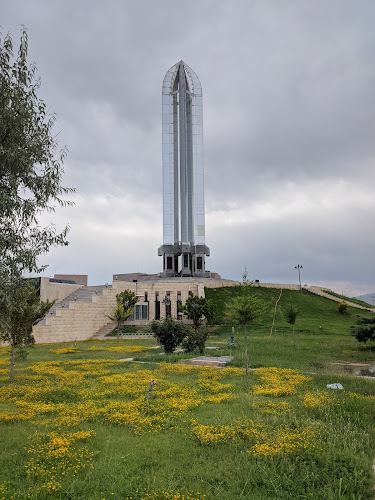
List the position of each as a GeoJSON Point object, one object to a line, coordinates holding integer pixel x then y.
{"type": "Point", "coordinates": [317, 314]}
{"type": "Point", "coordinates": [322, 333]}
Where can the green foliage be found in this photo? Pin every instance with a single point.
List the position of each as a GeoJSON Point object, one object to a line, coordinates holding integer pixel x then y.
{"type": "Point", "coordinates": [169, 333]}
{"type": "Point", "coordinates": [30, 173]}
{"type": "Point", "coordinates": [291, 314]}
{"type": "Point", "coordinates": [244, 308]}
{"type": "Point", "coordinates": [119, 314]}
{"type": "Point", "coordinates": [19, 312]}
{"type": "Point", "coordinates": [364, 330]}
{"type": "Point", "coordinates": [196, 339]}
{"type": "Point", "coordinates": [198, 308]}
{"type": "Point", "coordinates": [128, 299]}
{"type": "Point", "coordinates": [246, 281]}
{"type": "Point", "coordinates": [342, 307]}
{"type": "Point", "coordinates": [125, 302]}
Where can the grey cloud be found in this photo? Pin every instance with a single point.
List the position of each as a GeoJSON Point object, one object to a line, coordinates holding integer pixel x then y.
{"type": "Point", "coordinates": [287, 99]}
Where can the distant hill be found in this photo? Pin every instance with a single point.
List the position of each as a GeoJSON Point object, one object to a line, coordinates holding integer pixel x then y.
{"type": "Point", "coordinates": [369, 298]}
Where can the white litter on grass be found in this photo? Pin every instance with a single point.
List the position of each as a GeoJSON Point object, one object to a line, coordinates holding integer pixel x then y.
{"type": "Point", "coordinates": [335, 386]}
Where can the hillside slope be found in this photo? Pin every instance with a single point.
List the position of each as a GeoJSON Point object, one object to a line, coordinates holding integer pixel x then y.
{"type": "Point", "coordinates": [317, 315]}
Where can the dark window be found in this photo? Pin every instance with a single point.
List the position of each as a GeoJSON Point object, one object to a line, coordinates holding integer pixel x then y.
{"type": "Point", "coordinates": [157, 308]}
{"type": "Point", "coordinates": [169, 262]}
{"type": "Point", "coordinates": [168, 311]}
{"type": "Point", "coordinates": [199, 263]}
{"type": "Point", "coordinates": [168, 308]}
{"type": "Point", "coordinates": [141, 311]}
{"type": "Point", "coordinates": [144, 311]}
{"type": "Point", "coordinates": [186, 260]}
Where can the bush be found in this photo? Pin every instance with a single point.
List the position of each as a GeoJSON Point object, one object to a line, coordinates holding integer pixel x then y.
{"type": "Point", "coordinates": [169, 333]}
{"type": "Point", "coordinates": [343, 307]}
{"type": "Point", "coordinates": [196, 339]}
{"type": "Point", "coordinates": [364, 330]}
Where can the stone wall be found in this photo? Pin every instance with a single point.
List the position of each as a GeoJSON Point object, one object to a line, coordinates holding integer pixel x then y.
{"type": "Point", "coordinates": [55, 291]}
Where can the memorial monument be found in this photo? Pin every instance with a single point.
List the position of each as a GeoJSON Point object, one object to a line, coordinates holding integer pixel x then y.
{"type": "Point", "coordinates": [184, 250]}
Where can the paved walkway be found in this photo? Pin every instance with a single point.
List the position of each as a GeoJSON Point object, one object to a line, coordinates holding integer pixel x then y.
{"type": "Point", "coordinates": [317, 290]}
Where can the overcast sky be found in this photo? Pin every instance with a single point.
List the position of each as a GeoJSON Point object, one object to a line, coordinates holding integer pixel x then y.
{"type": "Point", "coordinates": [289, 131]}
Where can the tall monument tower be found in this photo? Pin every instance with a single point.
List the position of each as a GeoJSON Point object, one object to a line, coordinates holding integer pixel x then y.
{"type": "Point", "coordinates": [183, 248]}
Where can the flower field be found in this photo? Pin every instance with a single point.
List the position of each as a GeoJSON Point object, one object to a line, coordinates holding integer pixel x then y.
{"type": "Point", "coordinates": [79, 423]}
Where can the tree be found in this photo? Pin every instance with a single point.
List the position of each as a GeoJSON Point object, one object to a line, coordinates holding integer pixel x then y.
{"type": "Point", "coordinates": [18, 314]}
{"type": "Point", "coordinates": [169, 333]}
{"type": "Point", "coordinates": [246, 281]}
{"type": "Point", "coordinates": [291, 316]}
{"type": "Point", "coordinates": [125, 303]}
{"type": "Point", "coordinates": [198, 308]}
{"type": "Point", "coordinates": [30, 184]}
{"type": "Point", "coordinates": [364, 330]}
{"type": "Point", "coordinates": [30, 171]}
{"type": "Point", "coordinates": [243, 309]}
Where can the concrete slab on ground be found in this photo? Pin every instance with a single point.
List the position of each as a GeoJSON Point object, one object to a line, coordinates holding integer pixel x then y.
{"type": "Point", "coordinates": [219, 362]}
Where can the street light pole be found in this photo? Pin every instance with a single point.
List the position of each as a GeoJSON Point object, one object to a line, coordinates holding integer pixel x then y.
{"type": "Point", "coordinates": [299, 267]}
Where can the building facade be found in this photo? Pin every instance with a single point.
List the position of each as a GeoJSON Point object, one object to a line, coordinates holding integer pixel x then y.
{"type": "Point", "coordinates": [184, 250]}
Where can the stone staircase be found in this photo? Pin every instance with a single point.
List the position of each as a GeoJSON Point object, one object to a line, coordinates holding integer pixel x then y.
{"type": "Point", "coordinates": [78, 316]}
{"type": "Point", "coordinates": [84, 294]}
{"type": "Point", "coordinates": [105, 330]}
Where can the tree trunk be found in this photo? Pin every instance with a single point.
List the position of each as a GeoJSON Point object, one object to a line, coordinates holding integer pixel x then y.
{"type": "Point", "coordinates": [246, 360]}
{"type": "Point", "coordinates": [118, 331]}
{"type": "Point", "coordinates": [11, 371]}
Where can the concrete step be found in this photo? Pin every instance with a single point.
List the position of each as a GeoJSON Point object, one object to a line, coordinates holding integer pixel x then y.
{"type": "Point", "coordinates": [105, 330]}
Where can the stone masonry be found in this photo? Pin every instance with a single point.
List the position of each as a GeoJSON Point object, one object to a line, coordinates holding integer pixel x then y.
{"type": "Point", "coordinates": [80, 319]}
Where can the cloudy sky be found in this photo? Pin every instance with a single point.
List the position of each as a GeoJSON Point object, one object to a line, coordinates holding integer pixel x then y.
{"type": "Point", "coordinates": [289, 131]}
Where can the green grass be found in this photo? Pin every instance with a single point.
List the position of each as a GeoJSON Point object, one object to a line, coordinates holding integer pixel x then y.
{"type": "Point", "coordinates": [129, 329]}
{"type": "Point", "coordinates": [316, 315]}
{"type": "Point", "coordinates": [335, 464]}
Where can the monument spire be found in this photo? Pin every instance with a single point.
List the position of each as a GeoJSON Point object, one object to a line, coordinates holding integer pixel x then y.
{"type": "Point", "coordinates": [184, 249]}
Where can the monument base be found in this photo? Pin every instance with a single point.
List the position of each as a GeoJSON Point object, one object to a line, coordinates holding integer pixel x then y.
{"type": "Point", "coordinates": [184, 260]}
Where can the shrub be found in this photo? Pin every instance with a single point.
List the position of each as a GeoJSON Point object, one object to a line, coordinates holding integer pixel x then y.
{"type": "Point", "coordinates": [196, 339]}
{"type": "Point", "coordinates": [364, 330]}
{"type": "Point", "coordinates": [343, 307]}
{"type": "Point", "coordinates": [169, 333]}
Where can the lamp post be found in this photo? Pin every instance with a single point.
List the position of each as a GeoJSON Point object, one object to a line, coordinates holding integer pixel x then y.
{"type": "Point", "coordinates": [299, 267]}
